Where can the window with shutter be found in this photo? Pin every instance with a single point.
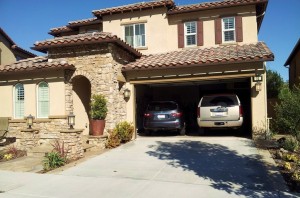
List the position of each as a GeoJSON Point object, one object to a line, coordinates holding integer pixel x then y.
{"type": "Point", "coordinates": [19, 101]}
{"type": "Point", "coordinates": [190, 30]}
{"type": "Point", "coordinates": [43, 100]}
{"type": "Point", "coordinates": [228, 29]}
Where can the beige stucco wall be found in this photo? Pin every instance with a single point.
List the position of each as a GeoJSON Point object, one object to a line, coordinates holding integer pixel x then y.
{"type": "Point", "coordinates": [6, 54]}
{"type": "Point", "coordinates": [30, 82]}
{"type": "Point", "coordinates": [161, 30]}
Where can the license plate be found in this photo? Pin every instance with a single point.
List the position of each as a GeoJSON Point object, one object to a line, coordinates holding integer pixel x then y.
{"type": "Point", "coordinates": [161, 116]}
{"type": "Point", "coordinates": [219, 114]}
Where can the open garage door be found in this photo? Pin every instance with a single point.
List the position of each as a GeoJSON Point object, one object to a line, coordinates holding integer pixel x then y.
{"type": "Point", "coordinates": [188, 95]}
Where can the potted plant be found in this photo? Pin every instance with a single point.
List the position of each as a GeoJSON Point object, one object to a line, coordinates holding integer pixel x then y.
{"type": "Point", "coordinates": [98, 114]}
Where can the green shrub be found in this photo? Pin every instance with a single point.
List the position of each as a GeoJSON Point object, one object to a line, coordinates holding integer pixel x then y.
{"type": "Point", "coordinates": [125, 131]}
{"type": "Point", "coordinates": [98, 107]}
{"type": "Point", "coordinates": [287, 118]}
{"type": "Point", "coordinates": [290, 144]}
{"type": "Point", "coordinates": [120, 134]}
{"type": "Point", "coordinates": [53, 160]}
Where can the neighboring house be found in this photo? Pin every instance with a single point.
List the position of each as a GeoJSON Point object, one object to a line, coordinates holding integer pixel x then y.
{"type": "Point", "coordinates": [9, 51]}
{"type": "Point", "coordinates": [157, 50]}
{"type": "Point", "coordinates": [293, 64]}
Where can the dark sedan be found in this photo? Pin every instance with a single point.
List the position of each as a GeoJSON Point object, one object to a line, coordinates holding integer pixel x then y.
{"type": "Point", "coordinates": [163, 115]}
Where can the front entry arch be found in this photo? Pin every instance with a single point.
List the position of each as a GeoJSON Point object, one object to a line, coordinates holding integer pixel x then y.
{"type": "Point", "coordinates": [81, 102]}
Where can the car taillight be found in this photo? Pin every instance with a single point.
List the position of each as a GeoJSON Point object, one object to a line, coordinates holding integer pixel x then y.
{"type": "Point", "coordinates": [241, 111]}
{"type": "Point", "coordinates": [198, 112]}
{"type": "Point", "coordinates": [147, 115]}
{"type": "Point", "coordinates": [176, 115]}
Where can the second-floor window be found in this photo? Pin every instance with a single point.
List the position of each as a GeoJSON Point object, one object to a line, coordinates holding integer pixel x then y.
{"type": "Point", "coordinates": [190, 32]}
{"type": "Point", "coordinates": [135, 35]}
{"type": "Point", "coordinates": [228, 29]}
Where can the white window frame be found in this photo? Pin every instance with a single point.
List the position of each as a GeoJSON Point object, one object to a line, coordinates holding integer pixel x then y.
{"type": "Point", "coordinates": [231, 29]}
{"type": "Point", "coordinates": [37, 100]}
{"type": "Point", "coordinates": [190, 34]}
{"type": "Point", "coordinates": [134, 36]}
{"type": "Point", "coordinates": [14, 101]}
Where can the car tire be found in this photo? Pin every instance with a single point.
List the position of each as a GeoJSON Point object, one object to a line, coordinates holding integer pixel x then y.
{"type": "Point", "coordinates": [148, 132]}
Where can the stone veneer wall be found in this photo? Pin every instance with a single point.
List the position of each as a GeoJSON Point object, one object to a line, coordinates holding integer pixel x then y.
{"type": "Point", "coordinates": [100, 64]}
{"type": "Point", "coordinates": [48, 129]}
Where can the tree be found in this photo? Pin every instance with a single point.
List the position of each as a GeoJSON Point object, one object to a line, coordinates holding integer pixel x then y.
{"type": "Point", "coordinates": [274, 84]}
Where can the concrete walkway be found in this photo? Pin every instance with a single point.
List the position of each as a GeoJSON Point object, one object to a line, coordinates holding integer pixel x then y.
{"type": "Point", "coordinates": [160, 167]}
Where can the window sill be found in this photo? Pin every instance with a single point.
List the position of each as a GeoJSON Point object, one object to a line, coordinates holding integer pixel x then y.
{"type": "Point", "coordinates": [141, 48]}
{"type": "Point", "coordinates": [229, 43]}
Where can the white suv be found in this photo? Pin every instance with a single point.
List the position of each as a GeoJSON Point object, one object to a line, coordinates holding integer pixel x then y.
{"type": "Point", "coordinates": [220, 111]}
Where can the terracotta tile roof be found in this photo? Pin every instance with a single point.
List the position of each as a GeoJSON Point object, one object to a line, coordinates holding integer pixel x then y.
{"type": "Point", "coordinates": [15, 47]}
{"type": "Point", "coordinates": [35, 63]}
{"type": "Point", "coordinates": [85, 22]}
{"type": "Point", "coordinates": [132, 7]}
{"type": "Point", "coordinates": [261, 6]}
{"type": "Point", "coordinates": [87, 38]}
{"type": "Point", "coordinates": [215, 4]}
{"type": "Point", "coordinates": [204, 56]}
{"type": "Point", "coordinates": [61, 29]}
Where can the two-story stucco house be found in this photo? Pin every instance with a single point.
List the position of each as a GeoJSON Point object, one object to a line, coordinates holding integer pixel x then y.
{"type": "Point", "coordinates": [293, 64]}
{"type": "Point", "coordinates": [155, 49]}
{"type": "Point", "coordinates": [9, 51]}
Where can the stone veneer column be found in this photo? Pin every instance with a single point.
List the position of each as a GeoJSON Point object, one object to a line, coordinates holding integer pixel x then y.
{"type": "Point", "coordinates": [29, 138]}
{"type": "Point", "coordinates": [72, 142]}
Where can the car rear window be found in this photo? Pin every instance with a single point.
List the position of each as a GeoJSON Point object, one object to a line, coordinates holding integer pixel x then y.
{"type": "Point", "coordinates": [162, 106]}
{"type": "Point", "coordinates": [227, 101]}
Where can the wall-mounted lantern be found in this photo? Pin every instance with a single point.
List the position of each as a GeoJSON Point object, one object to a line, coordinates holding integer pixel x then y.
{"type": "Point", "coordinates": [71, 120]}
{"type": "Point", "coordinates": [257, 78]}
{"type": "Point", "coordinates": [258, 86]}
{"type": "Point", "coordinates": [127, 93]}
{"type": "Point", "coordinates": [29, 120]}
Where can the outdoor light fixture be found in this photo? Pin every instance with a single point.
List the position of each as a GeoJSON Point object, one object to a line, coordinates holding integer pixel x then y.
{"type": "Point", "coordinates": [257, 78]}
{"type": "Point", "coordinates": [30, 121]}
{"type": "Point", "coordinates": [71, 120]}
{"type": "Point", "coordinates": [127, 93]}
{"type": "Point", "coordinates": [258, 86]}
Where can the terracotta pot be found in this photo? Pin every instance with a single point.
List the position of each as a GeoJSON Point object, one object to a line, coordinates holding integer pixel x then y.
{"type": "Point", "coordinates": [97, 127]}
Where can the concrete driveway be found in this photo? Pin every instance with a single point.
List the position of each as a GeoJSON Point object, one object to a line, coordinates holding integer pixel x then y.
{"type": "Point", "coordinates": [160, 167]}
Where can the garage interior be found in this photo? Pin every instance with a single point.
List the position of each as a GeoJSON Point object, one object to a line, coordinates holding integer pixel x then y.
{"type": "Point", "coordinates": [188, 95]}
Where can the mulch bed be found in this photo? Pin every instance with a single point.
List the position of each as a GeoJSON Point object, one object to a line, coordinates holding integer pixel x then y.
{"type": "Point", "coordinates": [279, 156]}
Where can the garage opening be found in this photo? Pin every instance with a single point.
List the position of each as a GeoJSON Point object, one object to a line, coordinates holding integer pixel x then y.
{"type": "Point", "coordinates": [188, 95]}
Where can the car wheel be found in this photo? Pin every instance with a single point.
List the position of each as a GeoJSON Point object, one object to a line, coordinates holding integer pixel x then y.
{"type": "Point", "coordinates": [148, 132]}
{"type": "Point", "coordinates": [182, 131]}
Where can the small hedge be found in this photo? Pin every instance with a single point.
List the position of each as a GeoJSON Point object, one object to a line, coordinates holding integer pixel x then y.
{"type": "Point", "coordinates": [122, 133]}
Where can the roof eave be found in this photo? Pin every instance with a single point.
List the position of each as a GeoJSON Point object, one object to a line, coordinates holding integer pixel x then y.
{"type": "Point", "coordinates": [45, 48]}
{"type": "Point", "coordinates": [269, 58]}
{"type": "Point", "coordinates": [292, 54]}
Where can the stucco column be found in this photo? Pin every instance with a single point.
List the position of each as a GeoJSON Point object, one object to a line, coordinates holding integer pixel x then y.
{"type": "Point", "coordinates": [259, 109]}
{"type": "Point", "coordinates": [131, 106]}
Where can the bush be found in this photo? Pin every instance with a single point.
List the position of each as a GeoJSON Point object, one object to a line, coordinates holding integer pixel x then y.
{"type": "Point", "coordinates": [120, 134]}
{"type": "Point", "coordinates": [113, 139]}
{"type": "Point", "coordinates": [59, 147]}
{"type": "Point", "coordinates": [98, 107]}
{"type": "Point", "coordinates": [287, 118]}
{"type": "Point", "coordinates": [125, 131]}
{"type": "Point", "coordinates": [290, 144]}
{"type": "Point", "coordinates": [53, 160]}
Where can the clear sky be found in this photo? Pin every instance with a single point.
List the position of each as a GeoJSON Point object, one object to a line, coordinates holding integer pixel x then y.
{"type": "Point", "coordinates": [28, 21]}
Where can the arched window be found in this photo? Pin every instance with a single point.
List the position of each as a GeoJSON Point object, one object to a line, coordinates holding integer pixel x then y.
{"type": "Point", "coordinates": [19, 101]}
{"type": "Point", "coordinates": [43, 100]}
